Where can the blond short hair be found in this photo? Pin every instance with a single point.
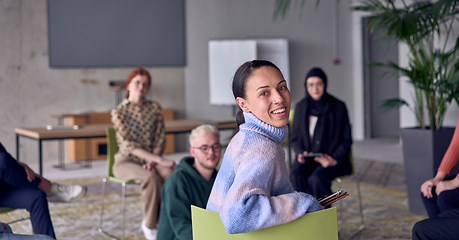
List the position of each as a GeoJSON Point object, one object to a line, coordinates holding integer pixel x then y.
{"type": "Point", "coordinates": [203, 129]}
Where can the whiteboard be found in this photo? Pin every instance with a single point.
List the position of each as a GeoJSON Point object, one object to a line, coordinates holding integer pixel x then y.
{"type": "Point", "coordinates": [275, 51]}
{"type": "Point", "coordinates": [225, 56]}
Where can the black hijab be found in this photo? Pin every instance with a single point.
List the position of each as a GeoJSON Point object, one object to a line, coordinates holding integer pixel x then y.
{"type": "Point", "coordinates": [332, 131]}
{"type": "Point", "coordinates": [324, 139]}
{"type": "Point", "coordinates": [321, 106]}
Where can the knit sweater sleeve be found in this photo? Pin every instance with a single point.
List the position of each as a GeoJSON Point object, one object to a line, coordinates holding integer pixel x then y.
{"type": "Point", "coordinates": [260, 196]}
{"type": "Point", "coordinates": [451, 156]}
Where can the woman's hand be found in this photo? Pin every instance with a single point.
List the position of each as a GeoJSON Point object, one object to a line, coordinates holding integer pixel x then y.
{"type": "Point", "coordinates": [326, 161]}
{"type": "Point", "coordinates": [426, 187]}
{"type": "Point", "coordinates": [447, 185]}
{"type": "Point", "coordinates": [162, 161]}
{"type": "Point", "coordinates": [300, 158]}
{"type": "Point", "coordinates": [167, 163]}
{"type": "Point", "coordinates": [30, 173]}
{"type": "Point", "coordinates": [152, 159]}
{"type": "Point", "coordinates": [150, 166]}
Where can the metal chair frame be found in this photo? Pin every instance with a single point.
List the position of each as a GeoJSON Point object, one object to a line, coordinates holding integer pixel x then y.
{"type": "Point", "coordinates": [112, 148]}
{"type": "Point", "coordinates": [359, 197]}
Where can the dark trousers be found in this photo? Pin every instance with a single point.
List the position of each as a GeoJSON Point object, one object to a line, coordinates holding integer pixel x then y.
{"type": "Point", "coordinates": [444, 227]}
{"type": "Point", "coordinates": [17, 192]}
{"type": "Point", "coordinates": [314, 179]}
{"type": "Point", "coordinates": [445, 201]}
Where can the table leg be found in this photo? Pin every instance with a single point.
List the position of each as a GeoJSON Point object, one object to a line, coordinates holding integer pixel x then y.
{"type": "Point", "coordinates": [61, 158]}
{"type": "Point", "coordinates": [40, 157]}
{"type": "Point", "coordinates": [60, 148]}
{"type": "Point", "coordinates": [88, 161]}
{"type": "Point", "coordinates": [88, 146]}
{"type": "Point", "coordinates": [17, 147]}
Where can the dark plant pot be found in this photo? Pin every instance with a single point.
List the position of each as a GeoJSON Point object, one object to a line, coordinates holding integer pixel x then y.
{"type": "Point", "coordinates": [423, 151]}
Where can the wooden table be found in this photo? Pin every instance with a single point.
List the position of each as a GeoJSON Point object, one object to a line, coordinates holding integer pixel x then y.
{"type": "Point", "coordinates": [94, 131]}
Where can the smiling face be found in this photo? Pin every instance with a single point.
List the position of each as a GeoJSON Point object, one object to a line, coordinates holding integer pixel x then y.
{"type": "Point", "coordinates": [138, 87]}
{"type": "Point", "coordinates": [315, 87]}
{"type": "Point", "coordinates": [267, 96]}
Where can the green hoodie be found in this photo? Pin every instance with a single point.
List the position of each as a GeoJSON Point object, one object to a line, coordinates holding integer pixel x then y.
{"type": "Point", "coordinates": [183, 188]}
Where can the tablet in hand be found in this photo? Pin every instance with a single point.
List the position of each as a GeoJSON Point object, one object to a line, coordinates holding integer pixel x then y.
{"type": "Point", "coordinates": [312, 155]}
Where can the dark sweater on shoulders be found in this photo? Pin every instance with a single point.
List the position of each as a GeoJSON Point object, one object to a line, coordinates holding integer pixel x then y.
{"type": "Point", "coordinates": [183, 188]}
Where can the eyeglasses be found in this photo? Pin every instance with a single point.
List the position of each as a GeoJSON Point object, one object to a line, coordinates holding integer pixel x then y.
{"type": "Point", "coordinates": [205, 148]}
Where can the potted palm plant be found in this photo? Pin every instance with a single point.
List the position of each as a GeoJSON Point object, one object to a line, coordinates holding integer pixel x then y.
{"type": "Point", "coordinates": [433, 71]}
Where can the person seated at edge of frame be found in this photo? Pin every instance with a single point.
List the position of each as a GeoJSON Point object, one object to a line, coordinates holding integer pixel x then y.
{"type": "Point", "coordinates": [189, 184]}
{"type": "Point", "coordinates": [320, 125]}
{"type": "Point", "coordinates": [140, 133]}
{"type": "Point", "coordinates": [252, 189]}
{"type": "Point", "coordinates": [440, 196]}
{"type": "Point", "coordinates": [6, 233]}
{"type": "Point", "coordinates": [22, 188]}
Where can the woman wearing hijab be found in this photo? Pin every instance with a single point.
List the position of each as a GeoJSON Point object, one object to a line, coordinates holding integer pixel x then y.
{"type": "Point", "coordinates": [320, 126]}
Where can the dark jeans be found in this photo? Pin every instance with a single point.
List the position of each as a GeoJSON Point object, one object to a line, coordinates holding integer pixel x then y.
{"type": "Point", "coordinates": [17, 192]}
{"type": "Point", "coordinates": [314, 179]}
{"type": "Point", "coordinates": [444, 227]}
{"type": "Point", "coordinates": [445, 201]}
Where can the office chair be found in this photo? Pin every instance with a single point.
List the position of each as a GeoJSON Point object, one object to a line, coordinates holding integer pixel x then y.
{"type": "Point", "coordinates": [320, 225]}
{"type": "Point", "coordinates": [112, 148]}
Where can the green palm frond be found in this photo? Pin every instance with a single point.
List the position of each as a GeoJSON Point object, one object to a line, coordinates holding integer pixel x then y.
{"type": "Point", "coordinates": [283, 6]}
{"type": "Point", "coordinates": [433, 72]}
{"type": "Point", "coordinates": [391, 104]}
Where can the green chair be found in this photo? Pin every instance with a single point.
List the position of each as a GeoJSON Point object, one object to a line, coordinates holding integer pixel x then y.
{"type": "Point", "coordinates": [321, 225]}
{"type": "Point", "coordinates": [6, 210]}
{"type": "Point", "coordinates": [286, 142]}
{"type": "Point", "coordinates": [359, 199]}
{"type": "Point", "coordinates": [112, 148]}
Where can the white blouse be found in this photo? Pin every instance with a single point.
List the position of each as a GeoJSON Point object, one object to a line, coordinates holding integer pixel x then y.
{"type": "Point", "coordinates": [312, 125]}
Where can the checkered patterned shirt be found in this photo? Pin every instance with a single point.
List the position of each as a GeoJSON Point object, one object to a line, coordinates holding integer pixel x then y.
{"type": "Point", "coordinates": [138, 126]}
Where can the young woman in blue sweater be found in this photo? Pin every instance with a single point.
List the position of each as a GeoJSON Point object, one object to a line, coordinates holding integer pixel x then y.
{"type": "Point", "coordinates": [252, 189]}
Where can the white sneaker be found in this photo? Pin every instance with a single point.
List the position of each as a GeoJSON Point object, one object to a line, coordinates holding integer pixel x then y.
{"type": "Point", "coordinates": [150, 234]}
{"type": "Point", "coordinates": [66, 193]}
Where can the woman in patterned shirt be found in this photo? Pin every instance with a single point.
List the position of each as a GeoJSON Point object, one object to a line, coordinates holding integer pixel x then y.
{"type": "Point", "coordinates": [140, 133]}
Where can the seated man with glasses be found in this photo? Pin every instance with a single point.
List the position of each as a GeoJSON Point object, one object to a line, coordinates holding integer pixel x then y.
{"type": "Point", "coordinates": [189, 184]}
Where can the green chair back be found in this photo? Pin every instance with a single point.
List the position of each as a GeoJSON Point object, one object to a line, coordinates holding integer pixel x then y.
{"type": "Point", "coordinates": [351, 159]}
{"type": "Point", "coordinates": [320, 225]}
{"type": "Point", "coordinates": [112, 149]}
{"type": "Point", "coordinates": [6, 210]}
{"type": "Point", "coordinates": [290, 123]}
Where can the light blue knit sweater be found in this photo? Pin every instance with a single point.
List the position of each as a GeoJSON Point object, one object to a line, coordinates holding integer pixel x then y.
{"type": "Point", "coordinates": [252, 189]}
